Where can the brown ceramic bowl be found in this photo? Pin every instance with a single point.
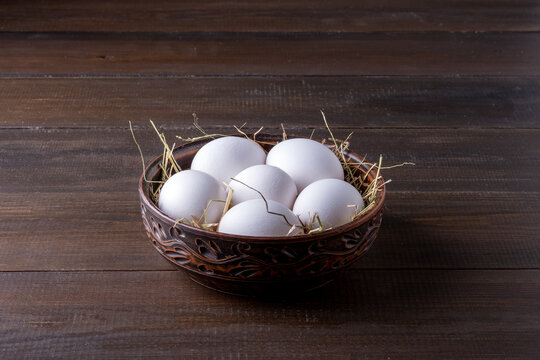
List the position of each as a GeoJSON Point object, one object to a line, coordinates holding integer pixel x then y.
{"type": "Point", "coordinates": [256, 266]}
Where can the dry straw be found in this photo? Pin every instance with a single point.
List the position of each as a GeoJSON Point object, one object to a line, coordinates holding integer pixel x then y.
{"type": "Point", "coordinates": [356, 173]}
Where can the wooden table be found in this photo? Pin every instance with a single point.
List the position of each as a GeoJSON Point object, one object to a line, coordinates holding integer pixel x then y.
{"type": "Point", "coordinates": [452, 86]}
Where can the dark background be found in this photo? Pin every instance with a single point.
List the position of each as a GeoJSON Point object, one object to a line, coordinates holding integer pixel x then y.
{"type": "Point", "coordinates": [453, 86]}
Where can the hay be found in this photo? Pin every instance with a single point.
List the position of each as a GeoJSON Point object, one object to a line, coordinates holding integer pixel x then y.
{"type": "Point", "coordinates": [356, 173]}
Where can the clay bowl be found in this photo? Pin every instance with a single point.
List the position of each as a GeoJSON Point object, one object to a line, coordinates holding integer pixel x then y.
{"type": "Point", "coordinates": [256, 266]}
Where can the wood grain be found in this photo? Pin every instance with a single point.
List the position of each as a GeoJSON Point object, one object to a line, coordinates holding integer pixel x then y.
{"type": "Point", "coordinates": [70, 198]}
{"type": "Point", "coordinates": [437, 230]}
{"type": "Point", "coordinates": [107, 160]}
{"type": "Point", "coordinates": [270, 16]}
{"type": "Point", "coordinates": [270, 54]}
{"type": "Point", "coordinates": [427, 314]}
{"type": "Point", "coordinates": [450, 85]}
{"type": "Point", "coordinates": [351, 102]}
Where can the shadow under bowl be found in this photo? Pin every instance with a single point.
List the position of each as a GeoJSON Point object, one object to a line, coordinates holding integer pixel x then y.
{"type": "Point", "coordinates": [257, 266]}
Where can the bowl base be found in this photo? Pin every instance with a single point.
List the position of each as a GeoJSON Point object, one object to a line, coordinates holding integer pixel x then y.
{"type": "Point", "coordinates": [264, 289]}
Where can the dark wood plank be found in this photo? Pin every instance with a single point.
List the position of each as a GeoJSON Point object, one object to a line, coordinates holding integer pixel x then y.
{"type": "Point", "coordinates": [352, 102]}
{"type": "Point", "coordinates": [433, 230]}
{"type": "Point", "coordinates": [89, 161]}
{"type": "Point", "coordinates": [69, 198]}
{"type": "Point", "coordinates": [271, 54]}
{"type": "Point", "coordinates": [368, 314]}
{"type": "Point", "coordinates": [458, 230]}
{"type": "Point", "coordinates": [297, 15]}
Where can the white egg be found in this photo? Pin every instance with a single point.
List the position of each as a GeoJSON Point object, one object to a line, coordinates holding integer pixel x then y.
{"type": "Point", "coordinates": [334, 201]}
{"type": "Point", "coordinates": [188, 193]}
{"type": "Point", "coordinates": [251, 218]}
{"type": "Point", "coordinates": [274, 184]}
{"type": "Point", "coordinates": [227, 156]}
{"type": "Point", "coordinates": [306, 161]}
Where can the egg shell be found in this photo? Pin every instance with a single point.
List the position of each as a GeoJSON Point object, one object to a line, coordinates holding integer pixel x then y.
{"type": "Point", "coordinates": [330, 199]}
{"type": "Point", "coordinates": [188, 192]}
{"type": "Point", "coordinates": [306, 161]}
{"type": "Point", "coordinates": [251, 218]}
{"type": "Point", "coordinates": [227, 156]}
{"type": "Point", "coordinates": [274, 184]}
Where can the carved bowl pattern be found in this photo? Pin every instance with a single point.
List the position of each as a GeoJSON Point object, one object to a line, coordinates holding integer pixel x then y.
{"type": "Point", "coordinates": [256, 266]}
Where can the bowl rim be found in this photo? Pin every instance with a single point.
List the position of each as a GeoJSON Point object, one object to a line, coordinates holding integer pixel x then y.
{"type": "Point", "coordinates": [350, 226]}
